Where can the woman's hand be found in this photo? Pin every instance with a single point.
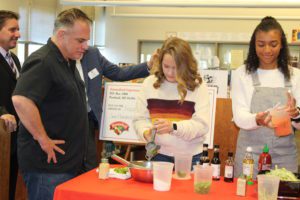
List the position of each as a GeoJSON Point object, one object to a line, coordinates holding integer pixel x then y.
{"type": "Point", "coordinates": [291, 107]}
{"type": "Point", "coordinates": [264, 119]}
{"type": "Point", "coordinates": [163, 126]}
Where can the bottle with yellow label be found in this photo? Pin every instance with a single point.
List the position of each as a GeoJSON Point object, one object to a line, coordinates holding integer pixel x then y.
{"type": "Point", "coordinates": [248, 165]}
{"type": "Point", "coordinates": [103, 169]}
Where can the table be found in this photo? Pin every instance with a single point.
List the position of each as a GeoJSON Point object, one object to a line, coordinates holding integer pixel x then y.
{"type": "Point", "coordinates": [88, 186]}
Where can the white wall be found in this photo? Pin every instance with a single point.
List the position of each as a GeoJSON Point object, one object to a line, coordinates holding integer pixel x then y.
{"type": "Point", "coordinates": [123, 33]}
{"type": "Point", "coordinates": [120, 34]}
{"type": "Point", "coordinates": [10, 5]}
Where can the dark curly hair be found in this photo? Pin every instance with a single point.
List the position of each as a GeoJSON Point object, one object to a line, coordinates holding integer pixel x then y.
{"type": "Point", "coordinates": [252, 63]}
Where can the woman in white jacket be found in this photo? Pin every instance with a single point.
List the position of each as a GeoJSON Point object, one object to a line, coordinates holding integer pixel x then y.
{"type": "Point", "coordinates": [175, 102]}
{"type": "Point", "coordinates": [264, 81]}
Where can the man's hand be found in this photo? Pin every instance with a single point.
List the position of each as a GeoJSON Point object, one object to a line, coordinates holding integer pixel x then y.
{"type": "Point", "coordinates": [49, 146]}
{"type": "Point", "coordinates": [153, 59]}
{"type": "Point", "coordinates": [30, 117]}
{"type": "Point", "coordinates": [10, 122]}
{"type": "Point", "coordinates": [163, 126]}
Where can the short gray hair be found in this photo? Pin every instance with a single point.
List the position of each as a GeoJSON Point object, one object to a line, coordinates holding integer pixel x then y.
{"type": "Point", "coordinates": [68, 17]}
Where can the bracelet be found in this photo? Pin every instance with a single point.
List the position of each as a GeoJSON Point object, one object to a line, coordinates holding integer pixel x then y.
{"type": "Point", "coordinates": [297, 119]}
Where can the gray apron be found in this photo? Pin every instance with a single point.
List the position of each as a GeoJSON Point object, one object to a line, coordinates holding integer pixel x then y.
{"type": "Point", "coordinates": [283, 150]}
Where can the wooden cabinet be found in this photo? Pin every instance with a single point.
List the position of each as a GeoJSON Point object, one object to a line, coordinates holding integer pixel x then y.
{"type": "Point", "coordinates": [4, 161]}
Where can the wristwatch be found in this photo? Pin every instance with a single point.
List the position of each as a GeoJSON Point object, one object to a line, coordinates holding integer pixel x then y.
{"type": "Point", "coordinates": [174, 126]}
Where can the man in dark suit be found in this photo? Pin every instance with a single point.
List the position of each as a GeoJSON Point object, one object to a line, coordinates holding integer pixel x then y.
{"type": "Point", "coordinates": [9, 72]}
{"type": "Point", "coordinates": [92, 67]}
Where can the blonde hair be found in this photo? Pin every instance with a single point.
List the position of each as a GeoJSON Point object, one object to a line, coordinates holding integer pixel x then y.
{"type": "Point", "coordinates": [187, 76]}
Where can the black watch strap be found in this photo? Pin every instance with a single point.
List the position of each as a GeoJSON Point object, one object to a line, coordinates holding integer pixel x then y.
{"type": "Point", "coordinates": [174, 126]}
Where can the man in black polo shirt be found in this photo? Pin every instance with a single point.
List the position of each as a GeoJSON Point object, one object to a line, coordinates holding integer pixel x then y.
{"type": "Point", "coordinates": [50, 101]}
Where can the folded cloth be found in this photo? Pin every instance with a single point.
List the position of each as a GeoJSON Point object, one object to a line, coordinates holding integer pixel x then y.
{"type": "Point", "coordinates": [113, 174]}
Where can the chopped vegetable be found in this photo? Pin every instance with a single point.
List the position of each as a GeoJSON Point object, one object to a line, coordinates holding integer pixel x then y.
{"type": "Point", "coordinates": [121, 170]}
{"type": "Point", "coordinates": [202, 187]}
{"type": "Point", "coordinates": [181, 174]}
{"type": "Point", "coordinates": [283, 174]}
{"type": "Point", "coordinates": [263, 195]}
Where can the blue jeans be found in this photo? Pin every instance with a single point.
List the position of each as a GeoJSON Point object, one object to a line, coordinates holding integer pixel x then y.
{"type": "Point", "coordinates": [42, 185]}
{"type": "Point", "coordinates": [165, 158]}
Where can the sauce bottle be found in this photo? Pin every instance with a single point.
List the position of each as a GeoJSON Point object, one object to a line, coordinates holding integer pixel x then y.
{"type": "Point", "coordinates": [204, 159]}
{"type": "Point", "coordinates": [216, 164]}
{"type": "Point", "coordinates": [264, 161]}
{"type": "Point", "coordinates": [248, 164]}
{"type": "Point", "coordinates": [229, 166]}
{"type": "Point", "coordinates": [103, 169]}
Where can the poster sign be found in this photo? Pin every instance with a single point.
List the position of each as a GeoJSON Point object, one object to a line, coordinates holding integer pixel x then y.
{"type": "Point", "coordinates": [217, 79]}
{"type": "Point", "coordinates": [119, 108]}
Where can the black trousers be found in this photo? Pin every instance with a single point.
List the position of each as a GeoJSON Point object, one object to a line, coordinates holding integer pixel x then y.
{"type": "Point", "coordinates": [90, 159]}
{"type": "Point", "coordinates": [13, 175]}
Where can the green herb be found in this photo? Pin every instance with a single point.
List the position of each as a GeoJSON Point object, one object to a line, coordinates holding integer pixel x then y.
{"type": "Point", "coordinates": [121, 170]}
{"type": "Point", "coordinates": [202, 187]}
{"type": "Point", "coordinates": [181, 174]}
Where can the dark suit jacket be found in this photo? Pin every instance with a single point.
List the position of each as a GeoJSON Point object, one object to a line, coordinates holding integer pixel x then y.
{"type": "Point", "coordinates": [2, 110]}
{"type": "Point", "coordinates": [7, 83]}
{"type": "Point", "coordinates": [93, 59]}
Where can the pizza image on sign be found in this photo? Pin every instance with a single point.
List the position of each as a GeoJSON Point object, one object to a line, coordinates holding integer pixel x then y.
{"type": "Point", "coordinates": [119, 127]}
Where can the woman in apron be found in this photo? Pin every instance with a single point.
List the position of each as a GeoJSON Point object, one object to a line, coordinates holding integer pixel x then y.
{"type": "Point", "coordinates": [264, 81]}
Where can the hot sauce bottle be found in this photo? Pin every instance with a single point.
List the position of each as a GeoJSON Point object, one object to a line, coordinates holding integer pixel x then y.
{"type": "Point", "coordinates": [265, 161]}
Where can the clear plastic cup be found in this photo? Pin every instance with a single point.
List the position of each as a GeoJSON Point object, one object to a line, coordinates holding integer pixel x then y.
{"type": "Point", "coordinates": [162, 175]}
{"type": "Point", "coordinates": [202, 179]}
{"type": "Point", "coordinates": [268, 187]}
{"type": "Point", "coordinates": [281, 122]}
{"type": "Point", "coordinates": [183, 165]}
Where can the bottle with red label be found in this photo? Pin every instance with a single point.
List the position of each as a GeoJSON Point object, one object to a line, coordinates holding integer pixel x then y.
{"type": "Point", "coordinates": [229, 166]}
{"type": "Point", "coordinates": [264, 161]}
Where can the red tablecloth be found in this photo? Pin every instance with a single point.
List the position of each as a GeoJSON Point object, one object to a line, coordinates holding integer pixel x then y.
{"type": "Point", "coordinates": [89, 187]}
